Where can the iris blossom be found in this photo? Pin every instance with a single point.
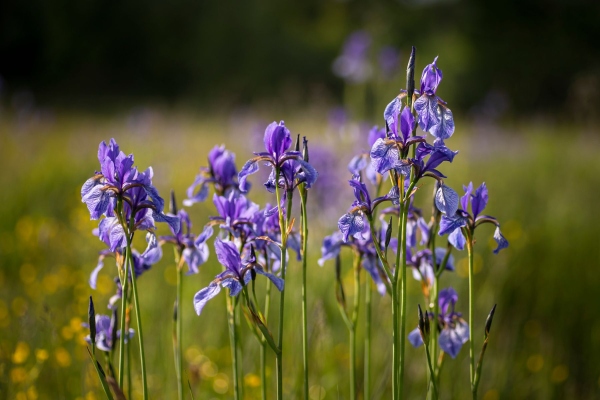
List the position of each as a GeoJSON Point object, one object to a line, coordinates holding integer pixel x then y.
{"type": "Point", "coordinates": [332, 245]}
{"type": "Point", "coordinates": [353, 222]}
{"type": "Point", "coordinates": [462, 222]}
{"type": "Point", "coordinates": [221, 172]}
{"type": "Point", "coordinates": [121, 184]}
{"type": "Point", "coordinates": [292, 168]}
{"type": "Point", "coordinates": [107, 332]}
{"type": "Point", "coordinates": [434, 116]}
{"type": "Point", "coordinates": [454, 330]}
{"type": "Point", "coordinates": [237, 274]}
{"type": "Point", "coordinates": [193, 255]}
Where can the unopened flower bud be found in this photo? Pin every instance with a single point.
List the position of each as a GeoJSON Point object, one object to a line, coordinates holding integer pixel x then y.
{"type": "Point", "coordinates": [92, 320]}
{"type": "Point", "coordinates": [388, 234]}
{"type": "Point", "coordinates": [305, 149]}
{"type": "Point", "coordinates": [173, 205]}
{"type": "Point", "coordinates": [488, 321]}
{"type": "Point", "coordinates": [410, 74]}
{"type": "Point", "coordinates": [298, 143]}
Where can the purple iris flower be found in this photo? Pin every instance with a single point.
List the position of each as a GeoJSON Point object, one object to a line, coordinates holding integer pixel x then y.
{"type": "Point", "coordinates": [193, 255]}
{"type": "Point", "coordinates": [265, 236]}
{"type": "Point", "coordinates": [333, 243]}
{"type": "Point", "coordinates": [236, 215]}
{"type": "Point", "coordinates": [434, 116]}
{"type": "Point", "coordinates": [461, 219]}
{"type": "Point", "coordinates": [454, 330]}
{"type": "Point", "coordinates": [221, 172]}
{"type": "Point", "coordinates": [237, 274]}
{"type": "Point", "coordinates": [120, 181]}
{"type": "Point", "coordinates": [291, 165]}
{"type": "Point", "coordinates": [107, 332]}
{"type": "Point", "coordinates": [353, 223]}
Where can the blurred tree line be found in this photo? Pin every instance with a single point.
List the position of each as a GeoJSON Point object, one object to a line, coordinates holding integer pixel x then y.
{"type": "Point", "coordinates": [535, 56]}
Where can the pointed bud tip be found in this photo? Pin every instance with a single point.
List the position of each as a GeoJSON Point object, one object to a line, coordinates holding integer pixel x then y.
{"type": "Point", "coordinates": [410, 74]}
{"type": "Point", "coordinates": [298, 143]}
{"type": "Point", "coordinates": [305, 149]}
{"type": "Point", "coordinates": [173, 205]}
{"type": "Point", "coordinates": [489, 320]}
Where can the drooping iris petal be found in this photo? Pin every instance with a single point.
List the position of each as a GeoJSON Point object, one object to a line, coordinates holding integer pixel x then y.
{"type": "Point", "coordinates": [200, 195]}
{"type": "Point", "coordinates": [446, 200]}
{"type": "Point", "coordinates": [480, 199]}
{"type": "Point", "coordinates": [96, 199]}
{"type": "Point", "coordinates": [500, 239]}
{"type": "Point", "coordinates": [94, 275]}
{"type": "Point", "coordinates": [427, 110]}
{"type": "Point", "coordinates": [448, 225]}
{"type": "Point", "coordinates": [308, 174]}
{"type": "Point", "coordinates": [204, 236]}
{"type": "Point", "coordinates": [205, 295]}
{"type": "Point", "coordinates": [414, 337]}
{"type": "Point", "coordinates": [452, 339]}
{"type": "Point", "coordinates": [384, 156]}
{"type": "Point", "coordinates": [457, 239]}
{"type": "Point", "coordinates": [357, 164]}
{"type": "Point", "coordinates": [445, 127]}
{"type": "Point", "coordinates": [391, 111]}
{"type": "Point", "coordinates": [350, 225]}
{"type": "Point", "coordinates": [330, 247]}
{"type": "Point", "coordinates": [249, 168]}
{"type": "Point", "coordinates": [194, 257]}
{"type": "Point", "coordinates": [172, 220]}
{"type": "Point", "coordinates": [278, 282]}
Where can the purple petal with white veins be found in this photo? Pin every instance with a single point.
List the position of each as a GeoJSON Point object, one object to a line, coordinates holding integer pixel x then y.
{"type": "Point", "coordinates": [445, 127]}
{"type": "Point", "coordinates": [350, 225]}
{"type": "Point", "coordinates": [501, 240]}
{"type": "Point", "coordinates": [448, 225]}
{"type": "Point", "coordinates": [426, 107]}
{"type": "Point", "coordinates": [384, 156]}
{"type": "Point", "coordinates": [431, 78]}
{"type": "Point", "coordinates": [97, 201]}
{"type": "Point", "coordinates": [446, 200]}
{"type": "Point", "coordinates": [205, 295]}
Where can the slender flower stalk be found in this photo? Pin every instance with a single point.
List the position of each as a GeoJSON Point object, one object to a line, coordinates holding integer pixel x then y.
{"type": "Point", "coordinates": [138, 320]}
{"type": "Point", "coordinates": [124, 300]}
{"type": "Point", "coordinates": [367, 361]}
{"type": "Point", "coordinates": [303, 198]}
{"type": "Point", "coordinates": [471, 343]}
{"type": "Point", "coordinates": [233, 344]}
{"type": "Point", "coordinates": [179, 325]}
{"type": "Point", "coordinates": [354, 320]}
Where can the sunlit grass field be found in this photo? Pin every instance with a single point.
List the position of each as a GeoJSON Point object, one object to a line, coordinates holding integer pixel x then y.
{"type": "Point", "coordinates": [544, 185]}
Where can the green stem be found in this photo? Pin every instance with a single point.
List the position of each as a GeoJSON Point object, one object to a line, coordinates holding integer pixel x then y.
{"type": "Point", "coordinates": [303, 196]}
{"type": "Point", "coordinates": [283, 225]}
{"type": "Point", "coordinates": [179, 333]}
{"type": "Point", "coordinates": [263, 348]}
{"type": "Point", "coordinates": [431, 373]}
{"type": "Point", "coordinates": [138, 319]}
{"type": "Point", "coordinates": [357, 260]}
{"type": "Point", "coordinates": [471, 343]}
{"type": "Point", "coordinates": [129, 387]}
{"type": "Point", "coordinates": [100, 373]}
{"type": "Point", "coordinates": [124, 289]}
{"type": "Point", "coordinates": [233, 345]}
{"type": "Point", "coordinates": [367, 378]}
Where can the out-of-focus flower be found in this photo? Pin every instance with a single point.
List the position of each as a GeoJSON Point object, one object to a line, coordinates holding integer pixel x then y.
{"type": "Point", "coordinates": [352, 64]}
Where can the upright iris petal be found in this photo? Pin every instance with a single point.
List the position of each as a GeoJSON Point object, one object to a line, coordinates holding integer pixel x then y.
{"type": "Point", "coordinates": [431, 78]}
{"type": "Point", "coordinates": [277, 139]}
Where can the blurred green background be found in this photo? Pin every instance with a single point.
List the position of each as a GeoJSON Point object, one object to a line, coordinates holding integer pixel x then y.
{"type": "Point", "coordinates": [171, 80]}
